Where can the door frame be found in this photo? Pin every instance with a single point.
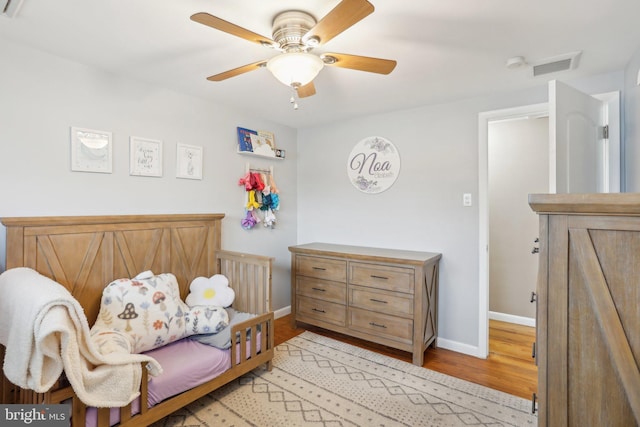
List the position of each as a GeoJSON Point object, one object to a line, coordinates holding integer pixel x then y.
{"type": "Point", "coordinates": [612, 100]}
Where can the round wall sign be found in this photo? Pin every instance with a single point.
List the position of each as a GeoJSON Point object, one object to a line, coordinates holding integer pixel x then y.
{"type": "Point", "coordinates": [373, 165]}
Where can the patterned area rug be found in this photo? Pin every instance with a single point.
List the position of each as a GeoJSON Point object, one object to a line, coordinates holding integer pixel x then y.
{"type": "Point", "coordinates": [320, 381]}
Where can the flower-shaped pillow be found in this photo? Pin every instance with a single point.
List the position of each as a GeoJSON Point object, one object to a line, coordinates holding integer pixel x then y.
{"type": "Point", "coordinates": [213, 291]}
{"type": "Point", "coordinates": [147, 308]}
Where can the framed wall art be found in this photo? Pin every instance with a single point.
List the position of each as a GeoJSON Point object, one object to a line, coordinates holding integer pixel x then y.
{"type": "Point", "coordinates": [91, 150]}
{"type": "Point", "coordinates": [145, 157]}
{"type": "Point", "coordinates": [189, 161]}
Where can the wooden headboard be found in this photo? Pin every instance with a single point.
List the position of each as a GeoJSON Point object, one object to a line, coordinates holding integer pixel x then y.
{"type": "Point", "coordinates": [85, 253]}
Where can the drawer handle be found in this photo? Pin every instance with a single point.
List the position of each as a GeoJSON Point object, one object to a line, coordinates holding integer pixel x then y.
{"type": "Point", "coordinates": [319, 311]}
{"type": "Point", "coordinates": [378, 300]}
{"type": "Point", "coordinates": [319, 289]}
{"type": "Point", "coordinates": [319, 268]}
{"type": "Point", "coordinates": [379, 326]}
{"type": "Point", "coordinates": [379, 277]}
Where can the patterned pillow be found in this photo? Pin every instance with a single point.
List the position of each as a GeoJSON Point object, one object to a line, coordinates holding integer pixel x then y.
{"type": "Point", "coordinates": [147, 308]}
{"type": "Point", "coordinates": [205, 319]}
{"type": "Point", "coordinates": [111, 341]}
{"type": "Point", "coordinates": [222, 339]}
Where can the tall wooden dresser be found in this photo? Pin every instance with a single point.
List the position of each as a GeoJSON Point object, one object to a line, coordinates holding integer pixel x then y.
{"type": "Point", "coordinates": [381, 295]}
{"type": "Point", "coordinates": [588, 315]}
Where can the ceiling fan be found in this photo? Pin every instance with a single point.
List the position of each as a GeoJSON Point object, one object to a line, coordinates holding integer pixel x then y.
{"type": "Point", "coordinates": [295, 34]}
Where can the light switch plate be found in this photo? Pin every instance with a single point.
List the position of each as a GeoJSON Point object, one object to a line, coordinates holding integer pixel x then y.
{"type": "Point", "coordinates": [466, 199]}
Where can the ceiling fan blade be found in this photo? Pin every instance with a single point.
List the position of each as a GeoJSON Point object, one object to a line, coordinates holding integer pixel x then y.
{"type": "Point", "coordinates": [307, 90]}
{"type": "Point", "coordinates": [361, 63]}
{"type": "Point", "coordinates": [341, 17]}
{"type": "Point", "coordinates": [233, 29]}
{"type": "Point", "coordinates": [236, 71]}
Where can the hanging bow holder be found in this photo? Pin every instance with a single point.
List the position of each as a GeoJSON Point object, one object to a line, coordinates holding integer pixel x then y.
{"type": "Point", "coordinates": [261, 197]}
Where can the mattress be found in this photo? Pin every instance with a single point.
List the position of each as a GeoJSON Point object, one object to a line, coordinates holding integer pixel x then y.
{"type": "Point", "coordinates": [186, 364]}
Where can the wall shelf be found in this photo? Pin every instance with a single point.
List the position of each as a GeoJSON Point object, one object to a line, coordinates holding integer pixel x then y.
{"type": "Point", "coordinates": [252, 154]}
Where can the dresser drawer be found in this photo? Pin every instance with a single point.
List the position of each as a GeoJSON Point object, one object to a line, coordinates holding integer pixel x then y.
{"type": "Point", "coordinates": [381, 301]}
{"type": "Point", "coordinates": [382, 325]}
{"type": "Point", "coordinates": [321, 310]}
{"type": "Point", "coordinates": [322, 268]}
{"type": "Point", "coordinates": [382, 277]}
{"type": "Point", "coordinates": [322, 289]}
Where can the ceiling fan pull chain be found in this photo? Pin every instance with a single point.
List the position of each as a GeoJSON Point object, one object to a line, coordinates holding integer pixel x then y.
{"type": "Point", "coordinates": [292, 100]}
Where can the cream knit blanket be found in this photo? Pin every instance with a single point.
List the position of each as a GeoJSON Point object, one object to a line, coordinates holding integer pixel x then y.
{"type": "Point", "coordinates": [45, 330]}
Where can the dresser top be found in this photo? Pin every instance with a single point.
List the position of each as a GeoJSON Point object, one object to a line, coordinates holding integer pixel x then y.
{"type": "Point", "coordinates": [363, 252]}
{"type": "Point", "coordinates": [596, 204]}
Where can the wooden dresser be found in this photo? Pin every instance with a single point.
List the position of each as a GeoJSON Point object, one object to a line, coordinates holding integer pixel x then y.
{"type": "Point", "coordinates": [381, 295]}
{"type": "Point", "coordinates": [588, 315]}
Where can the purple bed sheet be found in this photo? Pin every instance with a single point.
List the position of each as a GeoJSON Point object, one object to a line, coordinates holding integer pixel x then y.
{"type": "Point", "coordinates": [186, 364]}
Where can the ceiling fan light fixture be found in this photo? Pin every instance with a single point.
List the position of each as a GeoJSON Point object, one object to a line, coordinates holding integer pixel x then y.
{"type": "Point", "coordinates": [297, 68]}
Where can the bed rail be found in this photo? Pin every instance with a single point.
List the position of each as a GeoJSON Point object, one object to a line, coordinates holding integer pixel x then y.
{"type": "Point", "coordinates": [250, 278]}
{"type": "Point", "coordinates": [242, 362]}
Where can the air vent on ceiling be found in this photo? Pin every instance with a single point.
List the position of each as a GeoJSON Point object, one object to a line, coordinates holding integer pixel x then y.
{"type": "Point", "coordinates": [10, 8]}
{"type": "Point", "coordinates": [568, 61]}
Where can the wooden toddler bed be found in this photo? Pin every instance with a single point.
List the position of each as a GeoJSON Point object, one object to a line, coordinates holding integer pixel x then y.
{"type": "Point", "coordinates": [85, 253]}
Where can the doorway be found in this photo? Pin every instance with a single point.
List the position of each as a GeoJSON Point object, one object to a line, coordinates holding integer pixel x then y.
{"type": "Point", "coordinates": [517, 113]}
{"type": "Point", "coordinates": [611, 108]}
{"type": "Point", "coordinates": [518, 165]}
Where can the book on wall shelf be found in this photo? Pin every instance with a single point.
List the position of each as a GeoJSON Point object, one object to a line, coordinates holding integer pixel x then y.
{"type": "Point", "coordinates": [244, 139]}
{"type": "Point", "coordinates": [258, 143]}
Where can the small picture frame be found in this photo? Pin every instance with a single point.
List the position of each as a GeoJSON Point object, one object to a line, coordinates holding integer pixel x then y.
{"type": "Point", "coordinates": [145, 158]}
{"type": "Point", "coordinates": [91, 150]}
{"type": "Point", "coordinates": [189, 161]}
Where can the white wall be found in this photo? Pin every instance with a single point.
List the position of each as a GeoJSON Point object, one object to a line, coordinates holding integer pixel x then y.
{"type": "Point", "coordinates": [631, 114]}
{"type": "Point", "coordinates": [518, 152]}
{"type": "Point", "coordinates": [423, 210]}
{"type": "Point", "coordinates": [42, 96]}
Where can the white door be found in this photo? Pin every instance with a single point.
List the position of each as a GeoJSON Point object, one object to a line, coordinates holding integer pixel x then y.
{"type": "Point", "coordinates": [578, 147]}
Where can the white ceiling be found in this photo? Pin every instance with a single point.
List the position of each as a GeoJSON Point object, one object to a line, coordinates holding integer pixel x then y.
{"type": "Point", "coordinates": [446, 49]}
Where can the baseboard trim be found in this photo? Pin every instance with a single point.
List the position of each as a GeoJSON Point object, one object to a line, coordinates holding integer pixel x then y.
{"type": "Point", "coordinates": [510, 318]}
{"type": "Point", "coordinates": [459, 347]}
{"type": "Point", "coordinates": [284, 311]}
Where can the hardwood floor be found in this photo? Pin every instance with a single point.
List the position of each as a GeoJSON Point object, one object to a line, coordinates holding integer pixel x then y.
{"type": "Point", "coordinates": [509, 367]}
